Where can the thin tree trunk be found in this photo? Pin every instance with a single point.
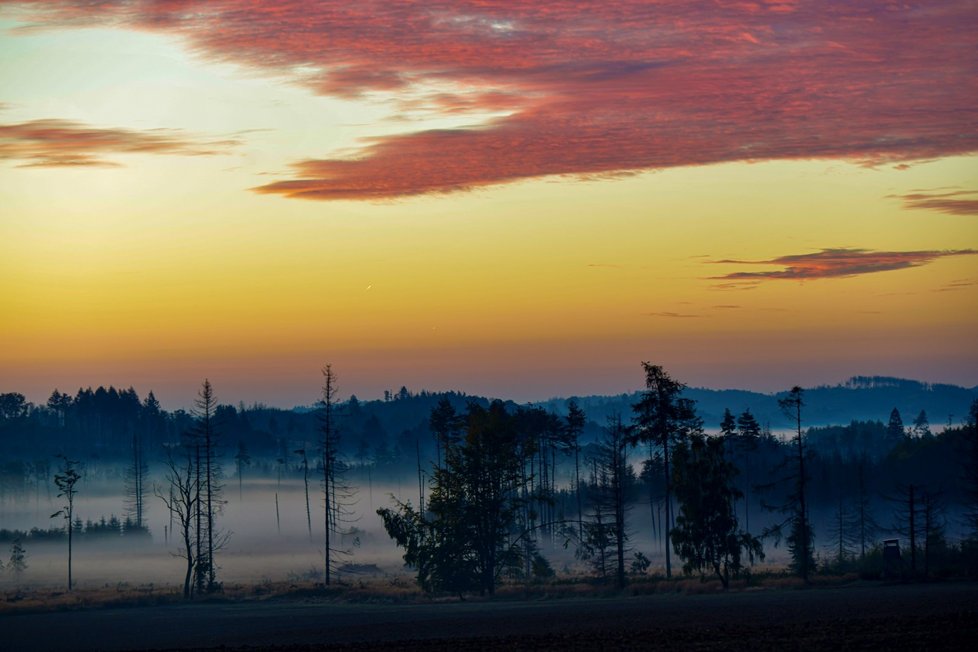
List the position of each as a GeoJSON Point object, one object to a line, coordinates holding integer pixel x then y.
{"type": "Point", "coordinates": [668, 524]}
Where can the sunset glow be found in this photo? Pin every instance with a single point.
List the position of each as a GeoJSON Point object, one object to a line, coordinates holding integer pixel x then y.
{"type": "Point", "coordinates": [509, 198]}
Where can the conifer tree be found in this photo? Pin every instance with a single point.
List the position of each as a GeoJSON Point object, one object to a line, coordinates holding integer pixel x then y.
{"type": "Point", "coordinates": [65, 480]}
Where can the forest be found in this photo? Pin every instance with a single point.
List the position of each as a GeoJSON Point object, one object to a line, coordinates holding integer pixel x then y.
{"type": "Point", "coordinates": [467, 494]}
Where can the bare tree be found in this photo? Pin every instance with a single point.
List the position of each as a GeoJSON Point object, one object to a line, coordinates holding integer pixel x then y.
{"type": "Point", "coordinates": [241, 460]}
{"type": "Point", "coordinates": [330, 442]}
{"type": "Point", "coordinates": [65, 480]}
{"type": "Point", "coordinates": [181, 498]}
{"type": "Point", "coordinates": [575, 426]}
{"type": "Point", "coordinates": [605, 534]}
{"type": "Point", "coordinates": [305, 479]}
{"type": "Point", "coordinates": [209, 487]}
{"type": "Point", "coordinates": [135, 485]}
{"type": "Point", "coordinates": [969, 461]}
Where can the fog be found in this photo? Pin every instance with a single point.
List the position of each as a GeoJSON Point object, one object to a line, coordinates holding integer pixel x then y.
{"type": "Point", "coordinates": [263, 546]}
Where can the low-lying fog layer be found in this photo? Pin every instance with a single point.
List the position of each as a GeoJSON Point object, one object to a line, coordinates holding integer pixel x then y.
{"type": "Point", "coordinates": [264, 545]}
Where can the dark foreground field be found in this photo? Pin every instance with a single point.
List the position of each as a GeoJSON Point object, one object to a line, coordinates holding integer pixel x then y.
{"type": "Point", "coordinates": [870, 616]}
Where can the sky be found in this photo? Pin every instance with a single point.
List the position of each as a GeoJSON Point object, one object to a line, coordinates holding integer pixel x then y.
{"type": "Point", "coordinates": [517, 199]}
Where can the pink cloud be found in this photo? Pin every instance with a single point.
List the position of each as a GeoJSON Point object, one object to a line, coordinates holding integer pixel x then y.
{"type": "Point", "coordinates": [596, 89]}
{"type": "Point", "coordinates": [954, 202]}
{"type": "Point", "coordinates": [64, 143]}
{"type": "Point", "coordinates": [835, 263]}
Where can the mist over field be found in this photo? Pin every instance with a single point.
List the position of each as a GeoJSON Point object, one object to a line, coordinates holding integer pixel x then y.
{"type": "Point", "coordinates": [264, 547]}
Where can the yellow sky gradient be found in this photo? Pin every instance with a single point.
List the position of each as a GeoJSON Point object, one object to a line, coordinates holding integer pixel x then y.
{"type": "Point", "coordinates": [167, 269]}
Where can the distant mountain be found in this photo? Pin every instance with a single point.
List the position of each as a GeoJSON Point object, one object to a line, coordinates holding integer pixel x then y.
{"type": "Point", "coordinates": [862, 398]}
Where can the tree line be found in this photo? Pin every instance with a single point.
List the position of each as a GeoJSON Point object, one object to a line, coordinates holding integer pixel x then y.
{"type": "Point", "coordinates": [500, 483]}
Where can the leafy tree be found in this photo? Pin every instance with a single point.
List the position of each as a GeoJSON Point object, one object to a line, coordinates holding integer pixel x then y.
{"type": "Point", "coordinates": [13, 406]}
{"type": "Point", "coordinates": [65, 480]}
{"type": "Point", "coordinates": [469, 534]}
{"type": "Point", "coordinates": [706, 536]}
{"type": "Point", "coordinates": [661, 418]}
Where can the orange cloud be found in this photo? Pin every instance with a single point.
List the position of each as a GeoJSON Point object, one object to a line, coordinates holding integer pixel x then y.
{"type": "Point", "coordinates": [957, 202]}
{"type": "Point", "coordinates": [834, 263]}
{"type": "Point", "coordinates": [64, 143]}
{"type": "Point", "coordinates": [594, 89]}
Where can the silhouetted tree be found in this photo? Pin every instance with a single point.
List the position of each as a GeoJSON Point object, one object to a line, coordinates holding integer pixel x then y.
{"type": "Point", "coordinates": [65, 480]}
{"type": "Point", "coordinates": [906, 519]}
{"type": "Point", "coordinates": [330, 452]}
{"type": "Point", "coordinates": [932, 512]}
{"type": "Point", "coordinates": [843, 531]}
{"type": "Point", "coordinates": [576, 421]}
{"type": "Point", "coordinates": [707, 535]}
{"type": "Point", "coordinates": [13, 406]}
{"type": "Point", "coordinates": [18, 558]}
{"type": "Point", "coordinates": [662, 417]}
{"type": "Point", "coordinates": [894, 429]}
{"type": "Point", "coordinates": [801, 537]}
{"type": "Point", "coordinates": [921, 426]}
{"type": "Point", "coordinates": [181, 495]}
{"type": "Point", "coordinates": [305, 480]}
{"type": "Point", "coordinates": [969, 460]}
{"type": "Point", "coordinates": [865, 522]}
{"type": "Point", "coordinates": [745, 443]}
{"type": "Point", "coordinates": [605, 531]}
{"type": "Point", "coordinates": [209, 487]}
{"type": "Point", "coordinates": [728, 426]}
{"type": "Point", "coordinates": [241, 460]}
{"type": "Point", "coordinates": [470, 532]}
{"type": "Point", "coordinates": [60, 404]}
{"type": "Point", "coordinates": [135, 485]}
{"type": "Point", "coordinates": [446, 425]}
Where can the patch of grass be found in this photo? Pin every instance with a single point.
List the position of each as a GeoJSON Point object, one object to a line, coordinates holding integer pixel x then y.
{"type": "Point", "coordinates": [395, 589]}
{"type": "Point", "coordinates": [119, 595]}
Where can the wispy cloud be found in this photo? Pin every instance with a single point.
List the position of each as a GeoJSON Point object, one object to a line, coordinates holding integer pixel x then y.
{"type": "Point", "coordinates": [834, 263]}
{"type": "Point", "coordinates": [671, 315]}
{"type": "Point", "coordinates": [591, 90]}
{"type": "Point", "coordinates": [958, 284]}
{"type": "Point", "coordinates": [65, 143]}
{"type": "Point", "coordinates": [953, 202]}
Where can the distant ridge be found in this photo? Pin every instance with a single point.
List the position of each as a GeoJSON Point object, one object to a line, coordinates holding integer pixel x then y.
{"type": "Point", "coordinates": [860, 398]}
